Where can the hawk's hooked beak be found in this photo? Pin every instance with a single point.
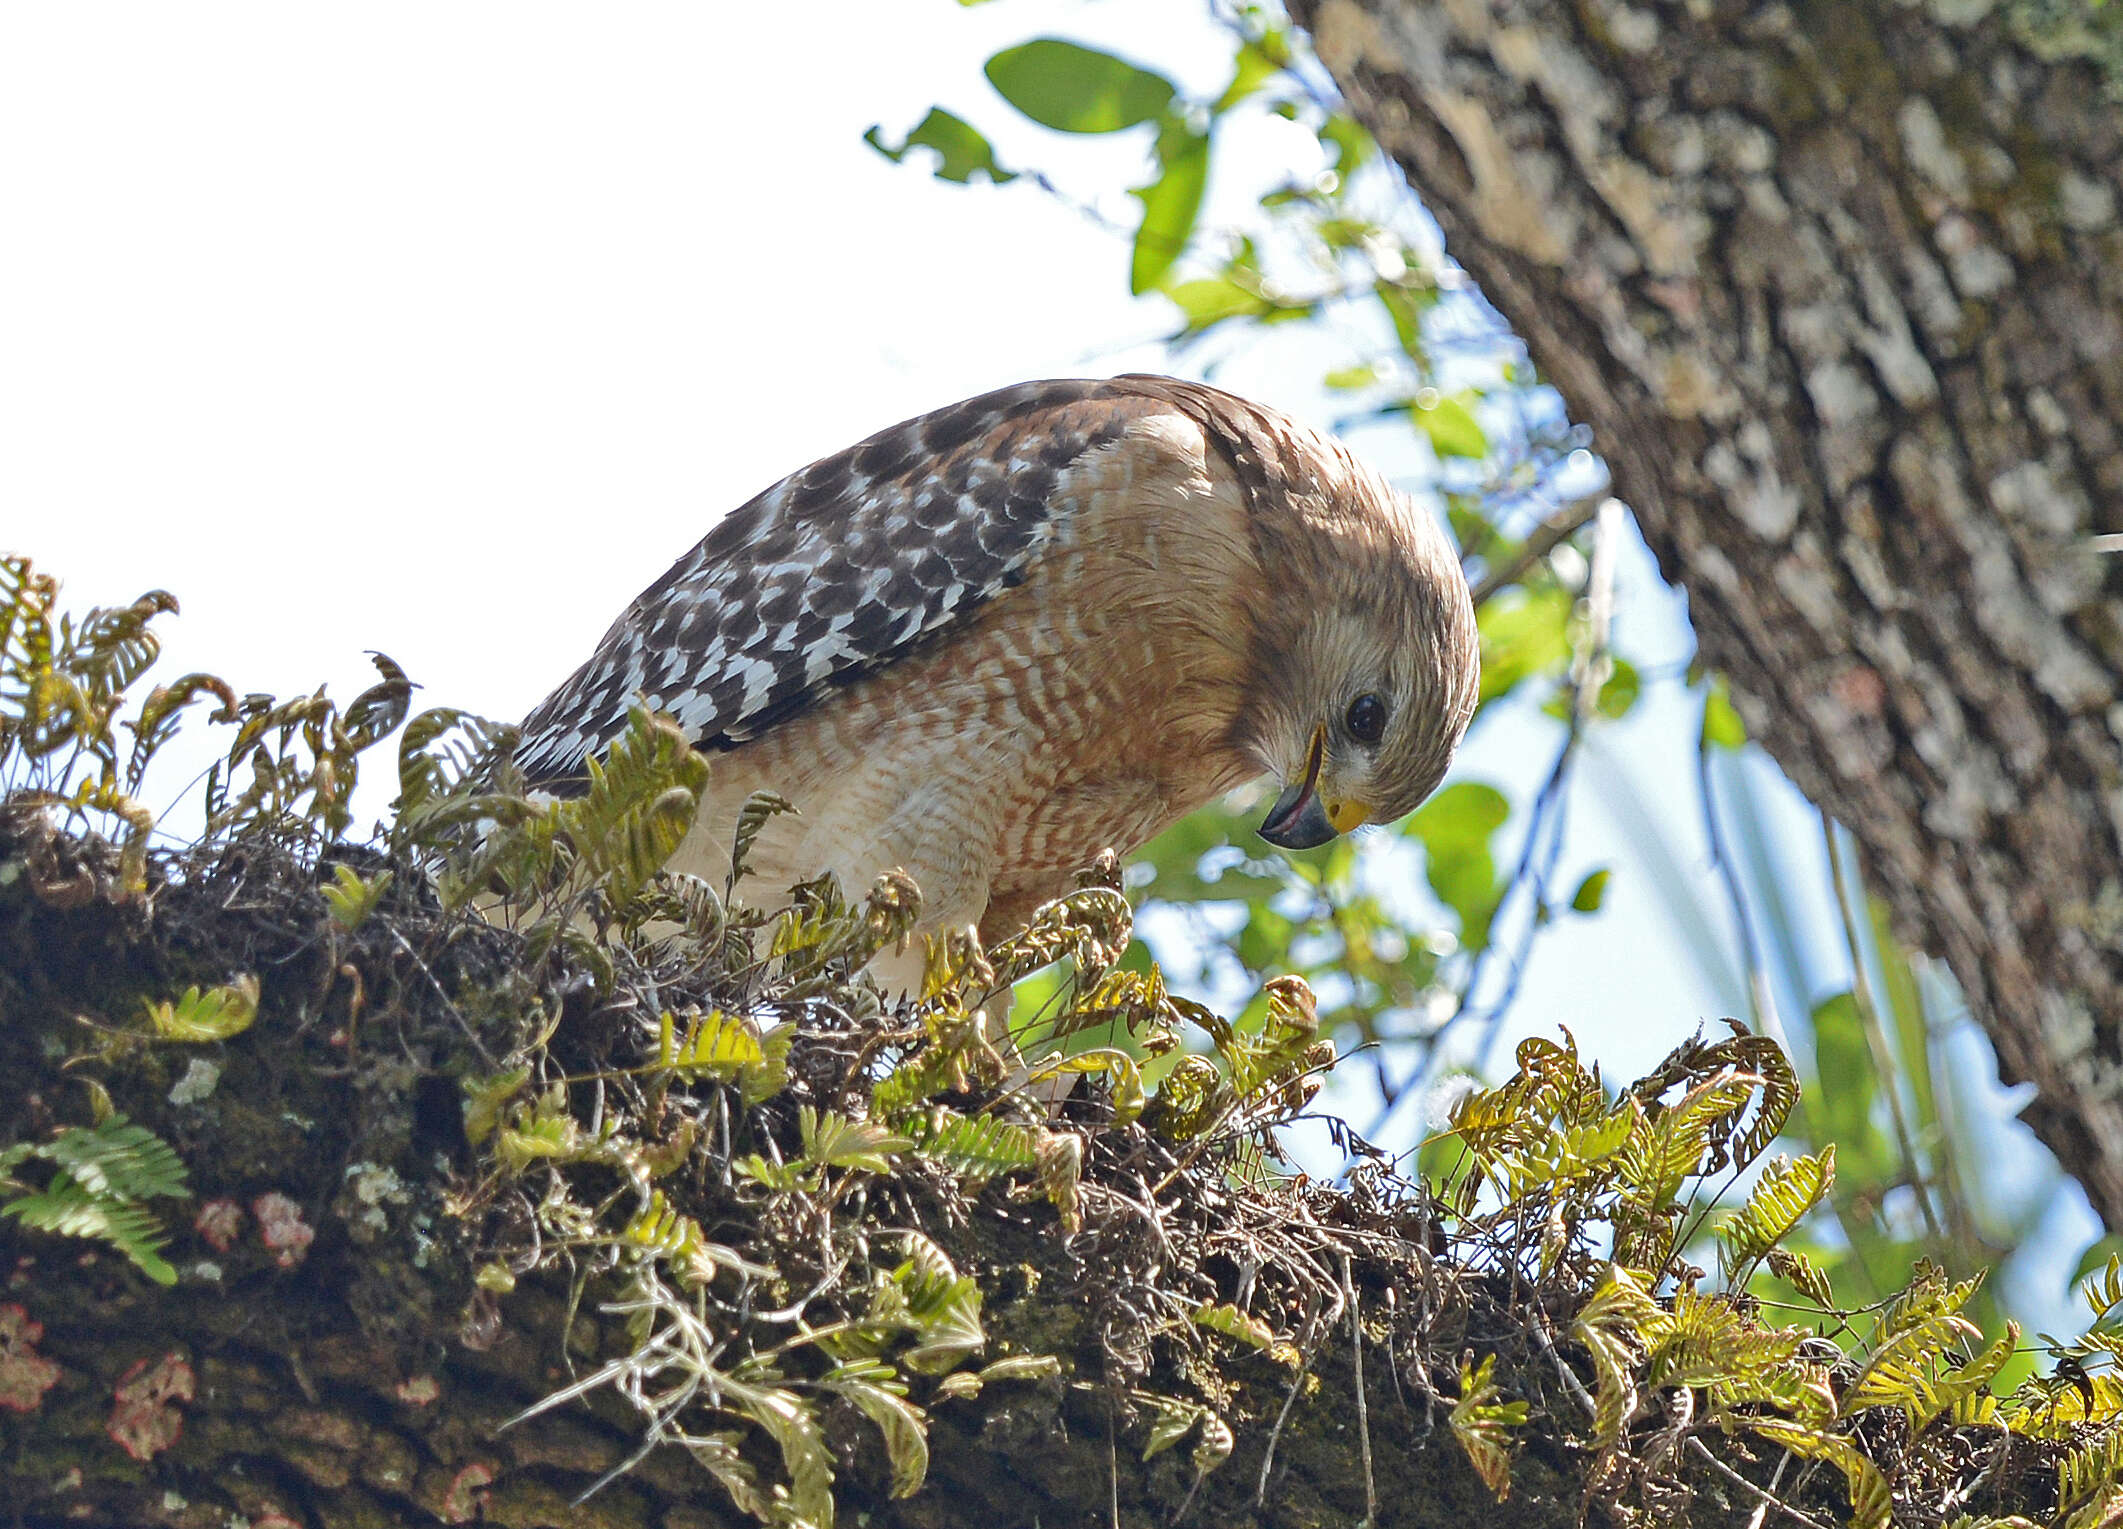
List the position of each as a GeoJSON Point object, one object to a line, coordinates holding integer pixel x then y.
{"type": "Point", "coordinates": [1299, 819]}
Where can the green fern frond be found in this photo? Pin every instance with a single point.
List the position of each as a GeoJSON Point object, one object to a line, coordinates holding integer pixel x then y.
{"type": "Point", "coordinates": [1898, 1372]}
{"type": "Point", "coordinates": [760, 808]}
{"type": "Point", "coordinates": [352, 898]}
{"type": "Point", "coordinates": [1871, 1504]}
{"type": "Point", "coordinates": [1704, 1338]}
{"type": "Point", "coordinates": [832, 1140]}
{"type": "Point", "coordinates": [1657, 1161]}
{"type": "Point", "coordinates": [117, 1158]}
{"type": "Point", "coordinates": [1787, 1192]}
{"type": "Point", "coordinates": [927, 1296]}
{"type": "Point", "coordinates": [877, 1392]}
{"type": "Point", "coordinates": [716, 1045]}
{"type": "Point", "coordinates": [1610, 1326]}
{"type": "Point", "coordinates": [2104, 1291]}
{"type": "Point", "coordinates": [450, 763]}
{"type": "Point", "coordinates": [642, 798]}
{"type": "Point", "coordinates": [1483, 1424]}
{"type": "Point", "coordinates": [2089, 1470]}
{"type": "Point", "coordinates": [103, 1173]}
{"type": "Point", "coordinates": [759, 1081]}
{"type": "Point", "coordinates": [200, 1017]}
{"type": "Point", "coordinates": [1227, 1319]}
{"type": "Point", "coordinates": [375, 714]}
{"type": "Point", "coordinates": [70, 1210]}
{"type": "Point", "coordinates": [1804, 1275]}
{"type": "Point", "coordinates": [161, 713]}
{"type": "Point", "coordinates": [979, 1147]}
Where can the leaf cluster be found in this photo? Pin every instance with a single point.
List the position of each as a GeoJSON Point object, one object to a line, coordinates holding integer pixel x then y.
{"type": "Point", "coordinates": [1595, 1201]}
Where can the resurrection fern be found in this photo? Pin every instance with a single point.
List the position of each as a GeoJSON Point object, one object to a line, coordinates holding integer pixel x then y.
{"type": "Point", "coordinates": [1784, 1196]}
{"type": "Point", "coordinates": [200, 1017]}
{"type": "Point", "coordinates": [1483, 1424]}
{"type": "Point", "coordinates": [1871, 1503]}
{"type": "Point", "coordinates": [715, 1045]}
{"type": "Point", "coordinates": [978, 1148]}
{"type": "Point", "coordinates": [1570, 1190]}
{"type": "Point", "coordinates": [352, 897]}
{"type": "Point", "coordinates": [102, 1176]}
{"type": "Point", "coordinates": [303, 760]}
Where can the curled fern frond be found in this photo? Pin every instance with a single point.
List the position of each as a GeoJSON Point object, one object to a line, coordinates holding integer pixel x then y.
{"type": "Point", "coordinates": [1483, 1425]}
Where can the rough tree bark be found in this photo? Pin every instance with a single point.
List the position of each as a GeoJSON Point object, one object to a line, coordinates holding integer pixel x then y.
{"type": "Point", "coordinates": [1839, 286]}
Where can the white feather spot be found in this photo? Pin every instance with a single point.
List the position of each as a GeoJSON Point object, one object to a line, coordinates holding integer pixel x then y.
{"type": "Point", "coordinates": [758, 677]}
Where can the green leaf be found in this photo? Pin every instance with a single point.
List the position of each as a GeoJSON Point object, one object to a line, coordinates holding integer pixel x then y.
{"type": "Point", "coordinates": [200, 1017]}
{"type": "Point", "coordinates": [1172, 1419]}
{"type": "Point", "coordinates": [961, 150]}
{"type": "Point", "coordinates": [834, 1141]}
{"type": "Point", "coordinates": [1620, 691]}
{"type": "Point", "coordinates": [878, 1392]}
{"type": "Point", "coordinates": [1405, 305]}
{"type": "Point", "coordinates": [1346, 379]}
{"type": "Point", "coordinates": [1871, 1504]}
{"type": "Point", "coordinates": [939, 1303]}
{"type": "Point", "coordinates": [1351, 143]}
{"type": "Point", "coordinates": [1170, 205]}
{"type": "Point", "coordinates": [68, 1210]}
{"type": "Point", "coordinates": [117, 1158]}
{"type": "Point", "coordinates": [486, 1099]}
{"type": "Point", "coordinates": [978, 1148]}
{"type": "Point", "coordinates": [763, 1079]}
{"type": "Point", "coordinates": [716, 1045]}
{"type": "Point", "coordinates": [353, 899]}
{"type": "Point", "coordinates": [1524, 633]}
{"type": "Point", "coordinates": [1258, 61]}
{"type": "Point", "coordinates": [1074, 89]}
{"type": "Point", "coordinates": [1786, 1193]}
{"type": "Point", "coordinates": [1722, 727]}
{"type": "Point", "coordinates": [1617, 694]}
{"type": "Point", "coordinates": [1483, 1424]}
{"type": "Point", "coordinates": [1450, 424]}
{"type": "Point", "coordinates": [1213, 299]}
{"type": "Point", "coordinates": [104, 1172]}
{"type": "Point", "coordinates": [1233, 1323]}
{"type": "Point", "coordinates": [2096, 1258]}
{"type": "Point", "coordinates": [1845, 1083]}
{"type": "Point", "coordinates": [1456, 827]}
{"type": "Point", "coordinates": [1591, 892]}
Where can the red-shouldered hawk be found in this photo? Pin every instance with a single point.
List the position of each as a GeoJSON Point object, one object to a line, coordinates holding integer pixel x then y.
{"type": "Point", "coordinates": [988, 642]}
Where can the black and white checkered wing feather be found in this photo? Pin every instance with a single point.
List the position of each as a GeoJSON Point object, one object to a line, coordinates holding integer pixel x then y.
{"type": "Point", "coordinates": [834, 572]}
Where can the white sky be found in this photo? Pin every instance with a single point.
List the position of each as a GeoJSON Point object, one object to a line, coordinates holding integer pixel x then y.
{"type": "Point", "coordinates": [443, 329]}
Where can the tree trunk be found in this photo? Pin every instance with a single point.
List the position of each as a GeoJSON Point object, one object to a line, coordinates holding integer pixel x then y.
{"type": "Point", "coordinates": [1839, 287]}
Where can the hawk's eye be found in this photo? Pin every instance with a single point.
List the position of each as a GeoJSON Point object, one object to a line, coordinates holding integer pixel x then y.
{"type": "Point", "coordinates": [1367, 718]}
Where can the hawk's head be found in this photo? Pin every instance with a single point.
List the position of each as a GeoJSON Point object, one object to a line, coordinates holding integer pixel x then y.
{"type": "Point", "coordinates": [1365, 669]}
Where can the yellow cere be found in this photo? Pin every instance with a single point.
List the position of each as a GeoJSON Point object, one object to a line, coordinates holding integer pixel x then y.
{"type": "Point", "coordinates": [1347, 815]}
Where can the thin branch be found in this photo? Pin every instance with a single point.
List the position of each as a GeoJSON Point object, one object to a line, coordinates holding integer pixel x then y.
{"type": "Point", "coordinates": [1545, 538]}
{"type": "Point", "coordinates": [1876, 1033]}
{"type": "Point", "coordinates": [1275, 1434]}
{"type": "Point", "coordinates": [1761, 1494]}
{"type": "Point", "coordinates": [1363, 1412]}
{"type": "Point", "coordinates": [1767, 1021]}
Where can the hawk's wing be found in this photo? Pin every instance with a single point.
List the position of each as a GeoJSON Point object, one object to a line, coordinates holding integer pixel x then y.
{"type": "Point", "coordinates": [837, 570]}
